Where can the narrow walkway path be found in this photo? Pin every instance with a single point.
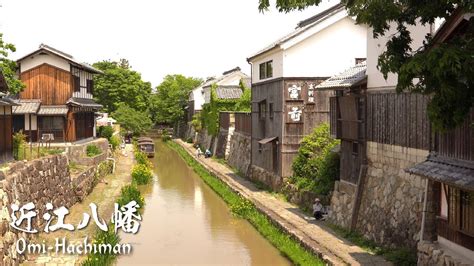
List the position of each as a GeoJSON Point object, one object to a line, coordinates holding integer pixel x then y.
{"type": "Point", "coordinates": [314, 235]}
{"type": "Point", "coordinates": [104, 195]}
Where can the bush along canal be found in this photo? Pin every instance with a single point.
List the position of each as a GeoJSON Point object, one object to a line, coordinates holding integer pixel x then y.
{"type": "Point", "coordinates": [243, 208]}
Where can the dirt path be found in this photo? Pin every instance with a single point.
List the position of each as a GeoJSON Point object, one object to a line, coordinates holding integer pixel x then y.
{"type": "Point", "coordinates": [104, 196]}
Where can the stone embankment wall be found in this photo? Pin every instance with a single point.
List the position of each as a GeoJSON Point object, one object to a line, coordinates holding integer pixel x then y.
{"type": "Point", "coordinates": [41, 181]}
{"type": "Point", "coordinates": [342, 204]}
{"type": "Point", "coordinates": [77, 152]}
{"type": "Point", "coordinates": [239, 152]}
{"type": "Point", "coordinates": [392, 200]}
{"type": "Point", "coordinates": [260, 175]}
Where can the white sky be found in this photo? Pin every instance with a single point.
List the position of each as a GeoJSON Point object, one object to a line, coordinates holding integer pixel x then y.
{"type": "Point", "coordinates": [197, 38]}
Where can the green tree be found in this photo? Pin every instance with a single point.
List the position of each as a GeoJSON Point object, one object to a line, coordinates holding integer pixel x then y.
{"type": "Point", "coordinates": [8, 67]}
{"type": "Point", "coordinates": [120, 84]}
{"type": "Point", "coordinates": [167, 105]}
{"type": "Point", "coordinates": [133, 120]}
{"type": "Point", "coordinates": [444, 71]}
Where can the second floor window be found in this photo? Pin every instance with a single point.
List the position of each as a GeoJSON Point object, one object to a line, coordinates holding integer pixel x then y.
{"type": "Point", "coordinates": [76, 82]}
{"type": "Point", "coordinates": [90, 86]}
{"type": "Point", "coordinates": [266, 70]}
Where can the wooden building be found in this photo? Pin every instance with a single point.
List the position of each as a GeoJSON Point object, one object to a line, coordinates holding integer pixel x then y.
{"type": "Point", "coordinates": [285, 104]}
{"type": "Point", "coordinates": [449, 208]}
{"type": "Point", "coordinates": [58, 98]}
{"type": "Point", "coordinates": [6, 132]}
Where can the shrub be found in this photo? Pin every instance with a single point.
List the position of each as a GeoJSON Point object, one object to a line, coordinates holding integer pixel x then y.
{"type": "Point", "coordinates": [106, 132]}
{"type": "Point", "coordinates": [141, 174]}
{"type": "Point", "coordinates": [189, 140]}
{"type": "Point", "coordinates": [115, 142]}
{"type": "Point", "coordinates": [315, 168]}
{"type": "Point", "coordinates": [130, 193]}
{"type": "Point", "coordinates": [19, 140]}
{"type": "Point", "coordinates": [106, 258]}
{"type": "Point", "coordinates": [142, 158]}
{"type": "Point", "coordinates": [92, 150]}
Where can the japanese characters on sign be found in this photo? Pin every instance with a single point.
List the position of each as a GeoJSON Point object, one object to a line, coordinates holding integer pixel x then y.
{"type": "Point", "coordinates": [294, 92]}
{"type": "Point", "coordinates": [311, 93]}
{"type": "Point", "coordinates": [295, 114]}
{"type": "Point", "coordinates": [125, 217]}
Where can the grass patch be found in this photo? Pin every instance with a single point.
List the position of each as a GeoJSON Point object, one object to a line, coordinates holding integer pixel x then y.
{"type": "Point", "coordinates": [245, 209]}
{"type": "Point", "coordinates": [92, 150]}
{"type": "Point", "coordinates": [400, 256]}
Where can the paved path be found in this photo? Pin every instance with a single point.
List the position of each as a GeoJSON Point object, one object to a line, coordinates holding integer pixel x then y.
{"type": "Point", "coordinates": [312, 234]}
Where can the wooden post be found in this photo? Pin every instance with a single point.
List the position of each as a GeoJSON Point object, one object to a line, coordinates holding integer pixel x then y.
{"type": "Point", "coordinates": [31, 140]}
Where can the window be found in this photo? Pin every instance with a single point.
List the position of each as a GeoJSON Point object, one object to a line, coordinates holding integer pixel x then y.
{"type": "Point", "coordinates": [90, 86]}
{"type": "Point", "coordinates": [262, 109]}
{"type": "Point", "coordinates": [266, 70]}
{"type": "Point", "coordinates": [460, 209]}
{"type": "Point", "coordinates": [76, 83]}
{"type": "Point", "coordinates": [51, 123]}
{"type": "Point", "coordinates": [359, 60]}
{"type": "Point", "coordinates": [270, 110]}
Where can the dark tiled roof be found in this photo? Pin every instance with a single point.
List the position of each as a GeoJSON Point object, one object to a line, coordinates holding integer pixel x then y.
{"type": "Point", "coordinates": [228, 92]}
{"type": "Point", "coordinates": [346, 79]}
{"type": "Point", "coordinates": [53, 110]}
{"type": "Point", "coordinates": [83, 102]}
{"type": "Point", "coordinates": [453, 172]}
{"type": "Point", "coordinates": [27, 107]}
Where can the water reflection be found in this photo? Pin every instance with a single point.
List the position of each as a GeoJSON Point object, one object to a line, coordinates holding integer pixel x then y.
{"type": "Point", "coordinates": [185, 222]}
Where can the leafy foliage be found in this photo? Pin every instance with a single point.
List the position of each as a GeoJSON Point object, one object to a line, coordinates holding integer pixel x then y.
{"type": "Point", "coordinates": [315, 167]}
{"type": "Point", "coordinates": [8, 67]}
{"type": "Point", "coordinates": [106, 132]}
{"type": "Point", "coordinates": [92, 150]}
{"type": "Point", "coordinates": [141, 174]}
{"type": "Point", "coordinates": [130, 193]}
{"type": "Point", "coordinates": [167, 105]}
{"type": "Point", "coordinates": [131, 119]}
{"type": "Point", "coordinates": [142, 158]}
{"type": "Point", "coordinates": [196, 123]}
{"type": "Point", "coordinates": [19, 141]}
{"type": "Point", "coordinates": [120, 84]}
{"type": "Point", "coordinates": [444, 71]}
{"type": "Point", "coordinates": [106, 258]}
{"type": "Point", "coordinates": [210, 111]}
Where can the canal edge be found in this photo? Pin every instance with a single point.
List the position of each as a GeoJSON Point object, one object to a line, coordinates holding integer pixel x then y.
{"type": "Point", "coordinates": [286, 226]}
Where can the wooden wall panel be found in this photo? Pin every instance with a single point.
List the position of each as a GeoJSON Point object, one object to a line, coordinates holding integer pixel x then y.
{"type": "Point", "coordinates": [48, 83]}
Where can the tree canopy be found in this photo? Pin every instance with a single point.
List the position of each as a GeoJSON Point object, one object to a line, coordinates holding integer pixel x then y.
{"type": "Point", "coordinates": [444, 71]}
{"type": "Point", "coordinates": [132, 120]}
{"type": "Point", "coordinates": [171, 98]}
{"type": "Point", "coordinates": [8, 67]}
{"type": "Point", "coordinates": [120, 84]}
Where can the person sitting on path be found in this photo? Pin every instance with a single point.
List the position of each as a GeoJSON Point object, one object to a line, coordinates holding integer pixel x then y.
{"type": "Point", "coordinates": [317, 209]}
{"type": "Point", "coordinates": [208, 153]}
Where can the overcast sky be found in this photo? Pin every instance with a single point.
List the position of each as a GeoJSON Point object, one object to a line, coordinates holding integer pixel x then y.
{"type": "Point", "coordinates": [196, 38]}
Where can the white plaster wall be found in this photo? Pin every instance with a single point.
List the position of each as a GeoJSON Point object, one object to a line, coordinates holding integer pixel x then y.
{"type": "Point", "coordinates": [198, 98]}
{"type": "Point", "coordinates": [327, 52]}
{"type": "Point", "coordinates": [276, 57]}
{"type": "Point", "coordinates": [34, 124]}
{"type": "Point", "coordinates": [376, 46]}
{"type": "Point", "coordinates": [36, 60]}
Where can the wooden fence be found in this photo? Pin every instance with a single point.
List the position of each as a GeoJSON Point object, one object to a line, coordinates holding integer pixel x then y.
{"type": "Point", "coordinates": [459, 142]}
{"type": "Point", "coordinates": [398, 119]}
{"type": "Point", "coordinates": [243, 123]}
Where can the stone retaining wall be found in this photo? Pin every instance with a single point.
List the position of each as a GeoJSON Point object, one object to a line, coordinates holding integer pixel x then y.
{"type": "Point", "coordinates": [41, 181]}
{"type": "Point", "coordinates": [260, 175]}
{"type": "Point", "coordinates": [239, 152]}
{"type": "Point", "coordinates": [430, 253]}
{"type": "Point", "coordinates": [392, 200]}
{"type": "Point", "coordinates": [77, 152]}
{"type": "Point", "coordinates": [342, 204]}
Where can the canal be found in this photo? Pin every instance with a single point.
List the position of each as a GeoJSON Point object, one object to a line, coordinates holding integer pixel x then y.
{"type": "Point", "coordinates": [185, 222]}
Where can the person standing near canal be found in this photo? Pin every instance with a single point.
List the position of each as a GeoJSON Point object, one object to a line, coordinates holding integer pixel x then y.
{"type": "Point", "coordinates": [198, 152]}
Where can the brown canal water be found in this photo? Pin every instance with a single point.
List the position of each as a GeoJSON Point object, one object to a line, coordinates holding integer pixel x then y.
{"type": "Point", "coordinates": [185, 222]}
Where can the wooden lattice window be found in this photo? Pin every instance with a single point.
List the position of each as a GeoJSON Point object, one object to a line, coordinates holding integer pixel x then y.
{"type": "Point", "coordinates": [90, 86]}
{"type": "Point", "coordinates": [460, 210]}
{"type": "Point", "coordinates": [76, 83]}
